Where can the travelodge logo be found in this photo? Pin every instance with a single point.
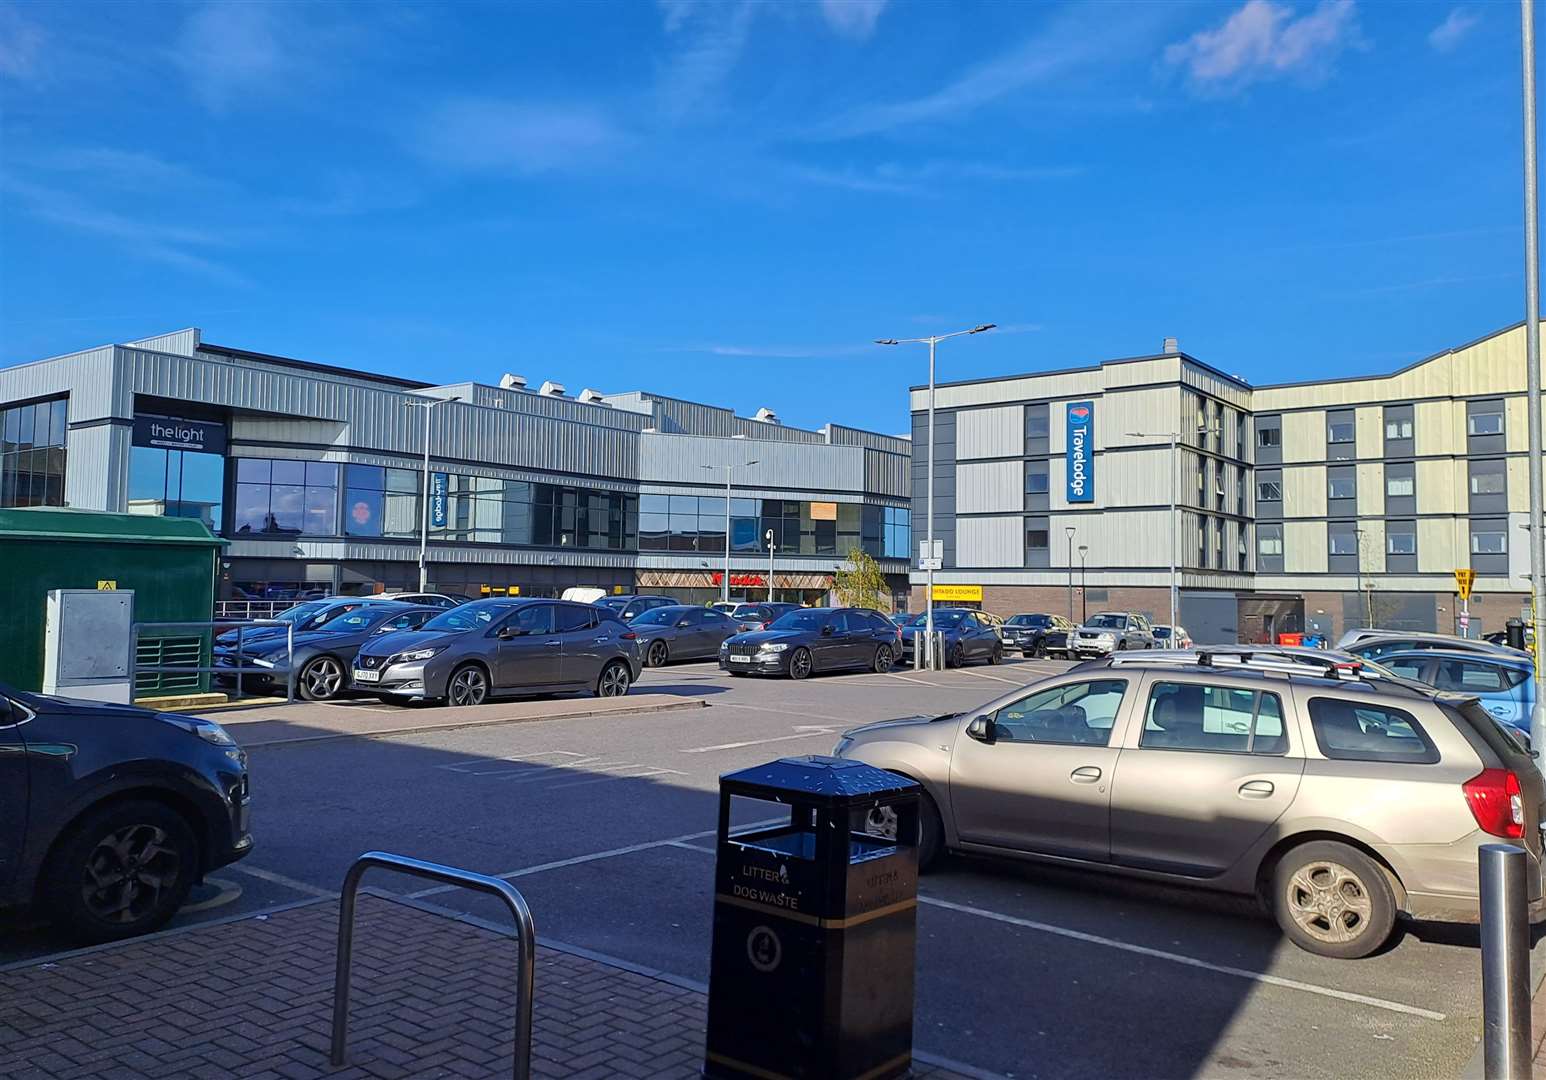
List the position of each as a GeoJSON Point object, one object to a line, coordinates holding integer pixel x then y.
{"type": "Point", "coordinates": [1080, 452]}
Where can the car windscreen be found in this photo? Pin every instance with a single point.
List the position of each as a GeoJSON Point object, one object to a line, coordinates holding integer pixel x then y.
{"type": "Point", "coordinates": [1162, 632]}
{"type": "Point", "coordinates": [301, 612]}
{"type": "Point", "coordinates": [1108, 622]}
{"type": "Point", "coordinates": [361, 618]}
{"type": "Point", "coordinates": [468, 617]}
{"type": "Point", "coordinates": [321, 618]}
{"type": "Point", "coordinates": [616, 603]}
{"type": "Point", "coordinates": [800, 620]}
{"type": "Point", "coordinates": [661, 616]}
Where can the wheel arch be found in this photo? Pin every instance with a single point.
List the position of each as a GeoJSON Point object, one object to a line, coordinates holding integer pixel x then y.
{"type": "Point", "coordinates": [1274, 855]}
{"type": "Point", "coordinates": [185, 806]}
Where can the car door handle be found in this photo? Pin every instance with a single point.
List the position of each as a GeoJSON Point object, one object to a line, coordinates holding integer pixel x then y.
{"type": "Point", "coordinates": [1256, 789]}
{"type": "Point", "coordinates": [1085, 774]}
{"type": "Point", "coordinates": [552, 644]}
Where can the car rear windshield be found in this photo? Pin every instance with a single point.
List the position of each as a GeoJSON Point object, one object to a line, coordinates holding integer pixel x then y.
{"type": "Point", "coordinates": [616, 603]}
{"type": "Point", "coordinates": [467, 617]}
{"type": "Point", "coordinates": [1510, 752]}
{"type": "Point", "coordinates": [1362, 731]}
{"type": "Point", "coordinates": [300, 612]}
{"type": "Point", "coordinates": [1162, 632]}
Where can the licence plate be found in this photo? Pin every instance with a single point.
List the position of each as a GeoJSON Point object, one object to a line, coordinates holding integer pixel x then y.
{"type": "Point", "coordinates": [740, 659]}
{"type": "Point", "coordinates": [361, 675]}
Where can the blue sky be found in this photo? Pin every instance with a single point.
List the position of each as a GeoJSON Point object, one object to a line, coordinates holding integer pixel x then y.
{"type": "Point", "coordinates": [727, 201]}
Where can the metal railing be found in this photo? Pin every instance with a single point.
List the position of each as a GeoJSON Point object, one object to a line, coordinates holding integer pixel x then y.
{"type": "Point", "coordinates": [526, 936]}
{"type": "Point", "coordinates": [212, 628]}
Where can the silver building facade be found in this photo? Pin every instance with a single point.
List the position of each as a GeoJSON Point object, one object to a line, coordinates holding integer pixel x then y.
{"type": "Point", "coordinates": [314, 474]}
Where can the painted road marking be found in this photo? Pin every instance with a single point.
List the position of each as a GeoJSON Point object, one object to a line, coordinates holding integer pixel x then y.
{"type": "Point", "coordinates": [280, 879]}
{"type": "Point", "coordinates": [1155, 954]}
{"type": "Point", "coordinates": [803, 731]}
{"type": "Point", "coordinates": [995, 678]}
{"type": "Point", "coordinates": [846, 721]}
{"type": "Point", "coordinates": [920, 682]}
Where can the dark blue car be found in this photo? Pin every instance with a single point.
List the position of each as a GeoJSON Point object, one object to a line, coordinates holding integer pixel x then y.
{"type": "Point", "coordinates": [968, 636]}
{"type": "Point", "coordinates": [808, 640]}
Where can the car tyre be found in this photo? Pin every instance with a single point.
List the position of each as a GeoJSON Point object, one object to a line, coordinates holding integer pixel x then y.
{"type": "Point", "coordinates": [123, 870]}
{"type": "Point", "coordinates": [1332, 900]}
{"type": "Point", "coordinates": [1039, 650]}
{"type": "Point", "coordinates": [468, 685]}
{"type": "Point", "coordinates": [614, 680]}
{"type": "Point", "coordinates": [322, 679]}
{"type": "Point", "coordinates": [997, 655]}
{"type": "Point", "coordinates": [931, 833]}
{"type": "Point", "coordinates": [657, 654]}
{"type": "Point", "coordinates": [883, 660]}
{"type": "Point", "coordinates": [956, 657]}
{"type": "Point", "coordinates": [800, 663]}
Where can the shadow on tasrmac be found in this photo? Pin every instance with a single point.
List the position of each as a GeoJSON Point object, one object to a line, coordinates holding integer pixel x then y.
{"type": "Point", "coordinates": [815, 924]}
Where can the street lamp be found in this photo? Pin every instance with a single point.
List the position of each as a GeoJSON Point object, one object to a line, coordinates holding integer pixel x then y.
{"type": "Point", "coordinates": [1533, 372]}
{"type": "Point", "coordinates": [1175, 469]}
{"type": "Point", "coordinates": [768, 536]}
{"type": "Point", "coordinates": [928, 611]}
{"type": "Point", "coordinates": [724, 594]}
{"type": "Point", "coordinates": [1084, 592]}
{"type": "Point", "coordinates": [1069, 530]}
{"type": "Point", "coordinates": [428, 405]}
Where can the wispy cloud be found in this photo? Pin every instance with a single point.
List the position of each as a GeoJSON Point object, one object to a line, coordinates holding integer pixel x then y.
{"type": "Point", "coordinates": [773, 352]}
{"type": "Point", "coordinates": [122, 170]}
{"type": "Point", "coordinates": [21, 45]}
{"type": "Point", "coordinates": [928, 179]}
{"type": "Point", "coordinates": [709, 42]}
{"type": "Point", "coordinates": [1076, 39]}
{"type": "Point", "coordinates": [518, 137]}
{"type": "Point", "coordinates": [853, 18]}
{"type": "Point", "coordinates": [1266, 40]}
{"type": "Point", "coordinates": [1456, 27]}
{"type": "Point", "coordinates": [228, 50]}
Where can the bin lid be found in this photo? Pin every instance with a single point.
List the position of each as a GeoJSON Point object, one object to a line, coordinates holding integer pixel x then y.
{"type": "Point", "coordinates": [816, 779]}
{"type": "Point", "coordinates": [99, 526]}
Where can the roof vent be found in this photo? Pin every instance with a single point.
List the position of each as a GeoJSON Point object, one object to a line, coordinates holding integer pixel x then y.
{"type": "Point", "coordinates": [552, 389]}
{"type": "Point", "coordinates": [766, 416]}
{"type": "Point", "coordinates": [591, 397]}
{"type": "Point", "coordinates": [1172, 346]}
{"type": "Point", "coordinates": [511, 381]}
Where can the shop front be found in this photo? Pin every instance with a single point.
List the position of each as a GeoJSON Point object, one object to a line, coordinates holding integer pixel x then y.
{"type": "Point", "coordinates": [706, 586]}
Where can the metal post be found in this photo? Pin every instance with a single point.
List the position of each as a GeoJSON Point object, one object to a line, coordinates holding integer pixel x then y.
{"type": "Point", "coordinates": [1505, 962]}
{"type": "Point", "coordinates": [1084, 589]}
{"type": "Point", "coordinates": [928, 610]}
{"type": "Point", "coordinates": [1358, 569]}
{"type": "Point", "coordinates": [1175, 523]}
{"type": "Point", "coordinates": [1533, 372]}
{"type": "Point", "coordinates": [770, 563]}
{"type": "Point", "coordinates": [1069, 531]}
{"type": "Point", "coordinates": [424, 510]}
{"type": "Point", "coordinates": [724, 591]}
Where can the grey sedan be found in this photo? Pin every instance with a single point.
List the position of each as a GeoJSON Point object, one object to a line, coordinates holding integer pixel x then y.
{"type": "Point", "coordinates": [681, 632]}
{"type": "Point", "coordinates": [472, 652]}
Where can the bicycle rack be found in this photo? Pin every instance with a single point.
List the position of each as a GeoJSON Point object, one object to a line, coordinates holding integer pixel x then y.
{"type": "Point", "coordinates": [448, 875]}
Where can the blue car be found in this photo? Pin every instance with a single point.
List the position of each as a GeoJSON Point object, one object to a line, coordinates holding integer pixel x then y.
{"type": "Point", "coordinates": [968, 636]}
{"type": "Point", "coordinates": [1504, 685]}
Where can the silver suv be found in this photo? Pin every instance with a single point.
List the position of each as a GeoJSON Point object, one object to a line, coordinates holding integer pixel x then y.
{"type": "Point", "coordinates": [1109, 632]}
{"type": "Point", "coordinates": [1339, 800]}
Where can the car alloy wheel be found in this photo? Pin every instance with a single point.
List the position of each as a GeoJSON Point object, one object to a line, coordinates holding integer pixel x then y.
{"type": "Point", "coordinates": [800, 664]}
{"type": "Point", "coordinates": [997, 655]}
{"type": "Point", "coordinates": [322, 679]}
{"type": "Point", "coordinates": [1329, 902]}
{"type": "Point", "coordinates": [958, 655]}
{"type": "Point", "coordinates": [657, 654]}
{"type": "Point", "coordinates": [1040, 651]}
{"type": "Point", "coordinates": [1333, 900]}
{"type": "Point", "coordinates": [469, 686]}
{"type": "Point", "coordinates": [123, 869]}
{"type": "Point", "coordinates": [883, 659]}
{"type": "Point", "coordinates": [128, 873]}
{"type": "Point", "coordinates": [614, 681]}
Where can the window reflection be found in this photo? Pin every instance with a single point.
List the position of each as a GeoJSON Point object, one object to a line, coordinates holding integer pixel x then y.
{"type": "Point", "coordinates": [32, 439]}
{"type": "Point", "coordinates": [697, 524]}
{"type": "Point", "coordinates": [286, 497]}
{"type": "Point", "coordinates": [177, 483]}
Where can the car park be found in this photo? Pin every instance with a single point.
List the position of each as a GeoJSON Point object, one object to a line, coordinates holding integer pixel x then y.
{"type": "Point", "coordinates": [758, 616]}
{"type": "Point", "coordinates": [110, 814]}
{"type": "Point", "coordinates": [681, 632]}
{"type": "Point", "coordinates": [1505, 685]}
{"type": "Point", "coordinates": [318, 668]}
{"type": "Point", "coordinates": [1172, 637]}
{"type": "Point", "coordinates": [1340, 801]}
{"type": "Point", "coordinates": [486, 648]}
{"type": "Point", "coordinates": [1109, 632]}
{"type": "Point", "coordinates": [627, 607]}
{"type": "Point", "coordinates": [1038, 634]}
{"type": "Point", "coordinates": [810, 640]}
{"type": "Point", "coordinates": [967, 636]}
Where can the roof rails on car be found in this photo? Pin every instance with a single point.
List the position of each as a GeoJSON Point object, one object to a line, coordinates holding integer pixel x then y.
{"type": "Point", "coordinates": [1256, 658]}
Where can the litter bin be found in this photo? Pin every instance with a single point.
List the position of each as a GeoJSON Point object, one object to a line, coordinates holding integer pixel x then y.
{"type": "Point", "coordinates": [811, 969]}
{"type": "Point", "coordinates": [1515, 631]}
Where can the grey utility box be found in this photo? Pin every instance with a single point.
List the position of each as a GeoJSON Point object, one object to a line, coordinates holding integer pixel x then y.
{"type": "Point", "coordinates": [86, 643]}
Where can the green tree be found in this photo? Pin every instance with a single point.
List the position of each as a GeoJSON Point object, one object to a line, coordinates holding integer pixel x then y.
{"type": "Point", "coordinates": [860, 583]}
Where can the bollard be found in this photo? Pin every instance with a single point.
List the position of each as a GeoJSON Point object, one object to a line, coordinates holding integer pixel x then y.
{"type": "Point", "coordinates": [917, 650]}
{"type": "Point", "coordinates": [1505, 962]}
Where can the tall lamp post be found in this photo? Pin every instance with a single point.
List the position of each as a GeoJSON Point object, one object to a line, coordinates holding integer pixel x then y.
{"type": "Point", "coordinates": [1175, 469]}
{"type": "Point", "coordinates": [1069, 531]}
{"type": "Point", "coordinates": [1533, 371]}
{"type": "Point", "coordinates": [1084, 592]}
{"type": "Point", "coordinates": [724, 592]}
{"type": "Point", "coordinates": [928, 611]}
{"type": "Point", "coordinates": [428, 405]}
{"type": "Point", "coordinates": [768, 536]}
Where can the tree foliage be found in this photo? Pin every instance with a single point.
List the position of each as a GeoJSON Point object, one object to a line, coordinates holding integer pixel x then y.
{"type": "Point", "coordinates": [860, 583]}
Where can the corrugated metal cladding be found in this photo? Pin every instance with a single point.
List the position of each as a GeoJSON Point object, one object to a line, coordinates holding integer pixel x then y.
{"type": "Point", "coordinates": [838, 435]}
{"type": "Point", "coordinates": [679, 459]}
{"type": "Point", "coordinates": [96, 467]}
{"type": "Point", "coordinates": [988, 433]}
{"type": "Point", "coordinates": [985, 487]}
{"type": "Point", "coordinates": [886, 474]}
{"type": "Point", "coordinates": [989, 542]}
{"type": "Point", "coordinates": [87, 377]}
{"type": "Point", "coordinates": [759, 429]}
{"type": "Point", "coordinates": [181, 342]}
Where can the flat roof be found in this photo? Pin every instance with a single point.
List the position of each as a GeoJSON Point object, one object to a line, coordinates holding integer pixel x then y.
{"type": "Point", "coordinates": [1187, 357]}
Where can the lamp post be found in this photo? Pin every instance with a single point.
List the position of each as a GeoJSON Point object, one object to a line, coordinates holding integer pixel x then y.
{"type": "Point", "coordinates": [1533, 369]}
{"type": "Point", "coordinates": [1084, 592]}
{"type": "Point", "coordinates": [724, 592]}
{"type": "Point", "coordinates": [1175, 469]}
{"type": "Point", "coordinates": [1358, 535]}
{"type": "Point", "coordinates": [768, 536]}
{"type": "Point", "coordinates": [1069, 530]}
{"type": "Point", "coordinates": [928, 611]}
{"type": "Point", "coordinates": [428, 405]}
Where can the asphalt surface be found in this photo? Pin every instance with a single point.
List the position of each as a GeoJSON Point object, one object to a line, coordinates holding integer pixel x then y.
{"type": "Point", "coordinates": [606, 825]}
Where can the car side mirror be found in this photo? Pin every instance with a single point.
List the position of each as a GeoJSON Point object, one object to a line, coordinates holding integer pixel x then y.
{"type": "Point", "coordinates": [981, 729]}
{"type": "Point", "coordinates": [826, 631]}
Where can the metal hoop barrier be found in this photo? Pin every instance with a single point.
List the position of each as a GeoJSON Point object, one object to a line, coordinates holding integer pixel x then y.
{"type": "Point", "coordinates": [526, 933]}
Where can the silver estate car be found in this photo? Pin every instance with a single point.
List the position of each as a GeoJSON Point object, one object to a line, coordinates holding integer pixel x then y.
{"type": "Point", "coordinates": [1340, 800]}
{"type": "Point", "coordinates": [474, 651]}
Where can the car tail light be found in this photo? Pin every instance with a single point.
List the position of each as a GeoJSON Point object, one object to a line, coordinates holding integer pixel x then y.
{"type": "Point", "coordinates": [628, 635]}
{"type": "Point", "coordinates": [1496, 803]}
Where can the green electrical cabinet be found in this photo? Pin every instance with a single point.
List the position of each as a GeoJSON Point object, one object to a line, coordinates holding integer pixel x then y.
{"type": "Point", "coordinates": [170, 563]}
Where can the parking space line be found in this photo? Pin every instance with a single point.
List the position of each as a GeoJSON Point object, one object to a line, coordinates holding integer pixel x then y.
{"type": "Point", "coordinates": [580, 860]}
{"type": "Point", "coordinates": [920, 682]}
{"type": "Point", "coordinates": [1188, 961]}
{"type": "Point", "coordinates": [648, 771]}
{"type": "Point", "coordinates": [844, 720]}
{"type": "Point", "coordinates": [804, 731]}
{"type": "Point", "coordinates": [995, 678]}
{"type": "Point", "coordinates": [280, 879]}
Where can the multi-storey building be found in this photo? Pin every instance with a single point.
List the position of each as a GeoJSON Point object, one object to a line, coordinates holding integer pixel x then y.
{"type": "Point", "coordinates": [1313, 506]}
{"type": "Point", "coordinates": [315, 473]}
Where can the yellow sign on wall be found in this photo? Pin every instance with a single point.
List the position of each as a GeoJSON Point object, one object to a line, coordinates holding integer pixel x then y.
{"type": "Point", "coordinates": [958, 593]}
{"type": "Point", "coordinates": [106, 585]}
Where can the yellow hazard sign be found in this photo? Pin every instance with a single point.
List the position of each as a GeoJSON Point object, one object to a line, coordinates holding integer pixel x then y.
{"type": "Point", "coordinates": [1464, 579]}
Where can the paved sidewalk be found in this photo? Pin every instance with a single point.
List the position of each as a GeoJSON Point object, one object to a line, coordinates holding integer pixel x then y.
{"type": "Point", "coordinates": [269, 725]}
{"type": "Point", "coordinates": [252, 997]}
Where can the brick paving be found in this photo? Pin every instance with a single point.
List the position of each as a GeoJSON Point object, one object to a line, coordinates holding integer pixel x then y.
{"type": "Point", "coordinates": [433, 997]}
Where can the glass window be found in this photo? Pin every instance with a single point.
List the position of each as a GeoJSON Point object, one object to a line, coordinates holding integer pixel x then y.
{"type": "Point", "coordinates": [1341, 431]}
{"type": "Point", "coordinates": [1359, 731]}
{"type": "Point", "coordinates": [1036, 423]}
{"type": "Point", "coordinates": [1037, 539]}
{"type": "Point", "coordinates": [1398, 428]}
{"type": "Point", "coordinates": [1269, 436]}
{"type": "Point", "coordinates": [1408, 667]}
{"type": "Point", "coordinates": [1487, 483]}
{"type": "Point", "coordinates": [1341, 486]}
{"type": "Point", "coordinates": [573, 617]}
{"type": "Point", "coordinates": [1486, 419]}
{"type": "Point", "coordinates": [1342, 541]}
{"type": "Point", "coordinates": [1398, 487]}
{"type": "Point", "coordinates": [1036, 478]}
{"type": "Point", "coordinates": [1078, 714]}
{"type": "Point", "coordinates": [1401, 538]}
{"type": "Point", "coordinates": [274, 496]}
{"type": "Point", "coordinates": [1269, 491]}
{"type": "Point", "coordinates": [1488, 541]}
{"type": "Point", "coordinates": [1193, 716]}
{"type": "Point", "coordinates": [32, 454]}
{"type": "Point", "coordinates": [1470, 676]}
